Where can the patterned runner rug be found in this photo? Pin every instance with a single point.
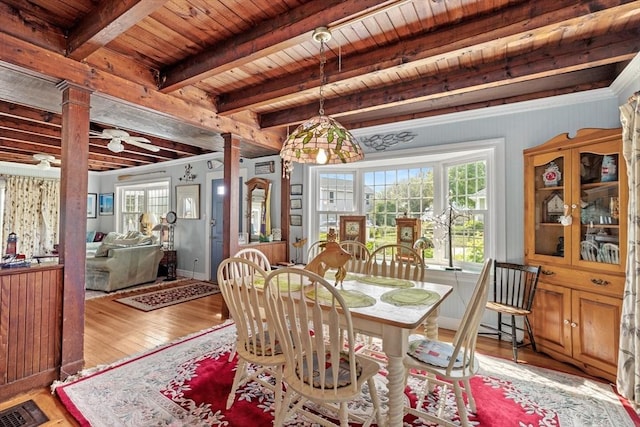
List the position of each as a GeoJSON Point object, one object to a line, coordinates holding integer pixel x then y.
{"type": "Point", "coordinates": [166, 297]}
{"type": "Point", "coordinates": [187, 383]}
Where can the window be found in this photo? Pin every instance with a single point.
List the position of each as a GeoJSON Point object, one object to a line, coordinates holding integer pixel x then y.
{"type": "Point", "coordinates": [458, 179]}
{"type": "Point", "coordinates": [135, 200]}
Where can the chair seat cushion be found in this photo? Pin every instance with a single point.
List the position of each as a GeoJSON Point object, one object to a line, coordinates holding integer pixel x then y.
{"type": "Point", "coordinates": [435, 353]}
{"type": "Point", "coordinates": [344, 372]}
{"type": "Point", "coordinates": [270, 348]}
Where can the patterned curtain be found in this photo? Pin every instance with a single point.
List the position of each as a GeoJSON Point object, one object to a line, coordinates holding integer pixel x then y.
{"type": "Point", "coordinates": [628, 380]}
{"type": "Point", "coordinates": [31, 211]}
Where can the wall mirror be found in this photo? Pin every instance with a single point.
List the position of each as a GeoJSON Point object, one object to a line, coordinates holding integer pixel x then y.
{"type": "Point", "coordinates": [258, 215]}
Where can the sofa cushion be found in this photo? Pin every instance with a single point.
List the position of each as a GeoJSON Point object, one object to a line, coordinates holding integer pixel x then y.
{"type": "Point", "coordinates": [103, 249]}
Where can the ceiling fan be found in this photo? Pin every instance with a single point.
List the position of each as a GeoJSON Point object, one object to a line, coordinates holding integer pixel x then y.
{"type": "Point", "coordinates": [45, 160]}
{"type": "Point", "coordinates": [118, 136]}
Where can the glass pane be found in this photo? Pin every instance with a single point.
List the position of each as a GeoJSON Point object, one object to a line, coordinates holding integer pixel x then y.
{"type": "Point", "coordinates": [600, 208]}
{"type": "Point", "coordinates": [549, 207]}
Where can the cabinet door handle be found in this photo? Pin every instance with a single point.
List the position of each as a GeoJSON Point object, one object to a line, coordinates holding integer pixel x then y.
{"type": "Point", "coordinates": [600, 282]}
{"type": "Point", "coordinates": [547, 272]}
{"type": "Point", "coordinates": [574, 324]}
{"type": "Point", "coordinates": [566, 321]}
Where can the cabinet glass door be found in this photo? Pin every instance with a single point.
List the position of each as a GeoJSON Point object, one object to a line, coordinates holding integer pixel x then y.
{"type": "Point", "coordinates": [550, 187]}
{"type": "Point", "coordinates": [598, 234]}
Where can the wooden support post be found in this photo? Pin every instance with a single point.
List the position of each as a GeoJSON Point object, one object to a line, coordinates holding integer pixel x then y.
{"type": "Point", "coordinates": [73, 222]}
{"type": "Point", "coordinates": [231, 204]}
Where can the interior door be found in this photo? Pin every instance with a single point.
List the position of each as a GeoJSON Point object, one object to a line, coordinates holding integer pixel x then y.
{"type": "Point", "coordinates": [217, 225]}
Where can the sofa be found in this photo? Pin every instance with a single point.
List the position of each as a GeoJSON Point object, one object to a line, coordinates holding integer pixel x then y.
{"type": "Point", "coordinates": [121, 261]}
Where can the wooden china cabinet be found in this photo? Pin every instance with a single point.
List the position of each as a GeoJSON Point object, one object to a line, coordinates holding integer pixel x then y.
{"type": "Point", "coordinates": [575, 228]}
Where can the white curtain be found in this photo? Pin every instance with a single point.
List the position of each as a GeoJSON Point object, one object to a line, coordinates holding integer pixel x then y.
{"type": "Point", "coordinates": [31, 210]}
{"type": "Point", "coordinates": [628, 380]}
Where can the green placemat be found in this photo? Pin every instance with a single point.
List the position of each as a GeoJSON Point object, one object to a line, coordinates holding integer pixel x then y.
{"type": "Point", "coordinates": [331, 275]}
{"type": "Point", "coordinates": [354, 299]}
{"type": "Point", "coordinates": [258, 282]}
{"type": "Point", "coordinates": [400, 297]}
{"type": "Point", "coordinates": [389, 282]}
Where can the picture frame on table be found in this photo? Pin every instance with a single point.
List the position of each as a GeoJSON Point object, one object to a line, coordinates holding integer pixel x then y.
{"type": "Point", "coordinates": [105, 203]}
{"type": "Point", "coordinates": [295, 220]}
{"type": "Point", "coordinates": [188, 201]}
{"type": "Point", "coordinates": [296, 203]}
{"type": "Point", "coordinates": [92, 204]}
{"type": "Point", "coordinates": [296, 190]}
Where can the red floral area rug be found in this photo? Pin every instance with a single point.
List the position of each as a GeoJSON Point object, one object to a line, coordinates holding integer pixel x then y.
{"type": "Point", "coordinates": [187, 383]}
{"type": "Point", "coordinates": [166, 297]}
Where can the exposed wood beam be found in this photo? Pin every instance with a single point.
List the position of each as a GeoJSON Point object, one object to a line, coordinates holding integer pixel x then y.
{"type": "Point", "coordinates": [37, 59]}
{"type": "Point", "coordinates": [268, 37]}
{"type": "Point", "coordinates": [524, 19]}
{"type": "Point", "coordinates": [459, 103]}
{"type": "Point", "coordinates": [549, 61]}
{"type": "Point", "coordinates": [105, 23]}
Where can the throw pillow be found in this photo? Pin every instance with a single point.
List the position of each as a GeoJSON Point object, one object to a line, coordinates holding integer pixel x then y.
{"type": "Point", "coordinates": [90, 236]}
{"type": "Point", "coordinates": [99, 236]}
{"type": "Point", "coordinates": [109, 238]}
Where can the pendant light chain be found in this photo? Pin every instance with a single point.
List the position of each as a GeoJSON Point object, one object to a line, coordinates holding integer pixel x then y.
{"type": "Point", "coordinates": [323, 60]}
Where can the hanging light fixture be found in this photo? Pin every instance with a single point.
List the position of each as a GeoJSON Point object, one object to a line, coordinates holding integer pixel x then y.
{"type": "Point", "coordinates": [321, 139]}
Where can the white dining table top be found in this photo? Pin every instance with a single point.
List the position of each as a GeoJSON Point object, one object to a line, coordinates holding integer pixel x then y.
{"type": "Point", "coordinates": [406, 316]}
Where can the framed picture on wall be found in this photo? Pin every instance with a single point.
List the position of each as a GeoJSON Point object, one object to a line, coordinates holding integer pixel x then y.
{"type": "Point", "coordinates": [296, 190]}
{"type": "Point", "coordinates": [295, 220]}
{"type": "Point", "coordinates": [296, 203]}
{"type": "Point", "coordinates": [188, 201]}
{"type": "Point", "coordinates": [92, 200]}
{"type": "Point", "coordinates": [105, 203]}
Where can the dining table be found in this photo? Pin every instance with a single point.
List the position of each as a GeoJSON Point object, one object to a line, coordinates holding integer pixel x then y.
{"type": "Point", "coordinates": [394, 308]}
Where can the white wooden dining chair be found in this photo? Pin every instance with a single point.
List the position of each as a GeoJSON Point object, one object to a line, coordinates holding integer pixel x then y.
{"type": "Point", "coordinates": [316, 333]}
{"type": "Point", "coordinates": [255, 342]}
{"type": "Point", "coordinates": [450, 365]}
{"type": "Point", "coordinates": [392, 260]}
{"type": "Point", "coordinates": [315, 248]}
{"type": "Point", "coordinates": [359, 256]}
{"type": "Point", "coordinates": [256, 256]}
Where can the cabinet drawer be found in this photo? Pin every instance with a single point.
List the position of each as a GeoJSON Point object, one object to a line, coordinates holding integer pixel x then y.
{"type": "Point", "coordinates": [597, 282]}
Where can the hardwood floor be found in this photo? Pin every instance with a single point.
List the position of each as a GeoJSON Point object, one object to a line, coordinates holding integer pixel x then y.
{"type": "Point", "coordinates": [114, 331]}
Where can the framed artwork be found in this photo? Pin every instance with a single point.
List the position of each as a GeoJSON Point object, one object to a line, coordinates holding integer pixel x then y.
{"type": "Point", "coordinates": [92, 203]}
{"type": "Point", "coordinates": [296, 190]}
{"type": "Point", "coordinates": [295, 220]}
{"type": "Point", "coordinates": [265, 167]}
{"type": "Point", "coordinates": [353, 227]}
{"type": "Point", "coordinates": [296, 203]}
{"type": "Point", "coordinates": [105, 203]}
{"type": "Point", "coordinates": [188, 201]}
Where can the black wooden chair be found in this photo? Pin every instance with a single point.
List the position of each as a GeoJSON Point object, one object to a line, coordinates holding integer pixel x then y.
{"type": "Point", "coordinates": [514, 287]}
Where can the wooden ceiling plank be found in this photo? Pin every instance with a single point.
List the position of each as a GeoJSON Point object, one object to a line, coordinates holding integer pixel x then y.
{"type": "Point", "coordinates": [516, 21]}
{"type": "Point", "coordinates": [267, 37]}
{"type": "Point", "coordinates": [555, 60]}
{"type": "Point", "coordinates": [34, 30]}
{"type": "Point", "coordinates": [108, 21]}
{"type": "Point", "coordinates": [28, 113]}
{"type": "Point", "coordinates": [34, 58]}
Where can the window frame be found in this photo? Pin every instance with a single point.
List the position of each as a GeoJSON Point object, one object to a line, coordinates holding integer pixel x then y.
{"type": "Point", "coordinates": [140, 185]}
{"type": "Point", "coordinates": [491, 150]}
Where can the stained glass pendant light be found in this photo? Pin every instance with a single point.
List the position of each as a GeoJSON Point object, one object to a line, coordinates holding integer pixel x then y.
{"type": "Point", "coordinates": [321, 139]}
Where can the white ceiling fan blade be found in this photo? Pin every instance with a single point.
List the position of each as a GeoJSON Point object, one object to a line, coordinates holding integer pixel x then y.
{"type": "Point", "coordinates": [142, 143]}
